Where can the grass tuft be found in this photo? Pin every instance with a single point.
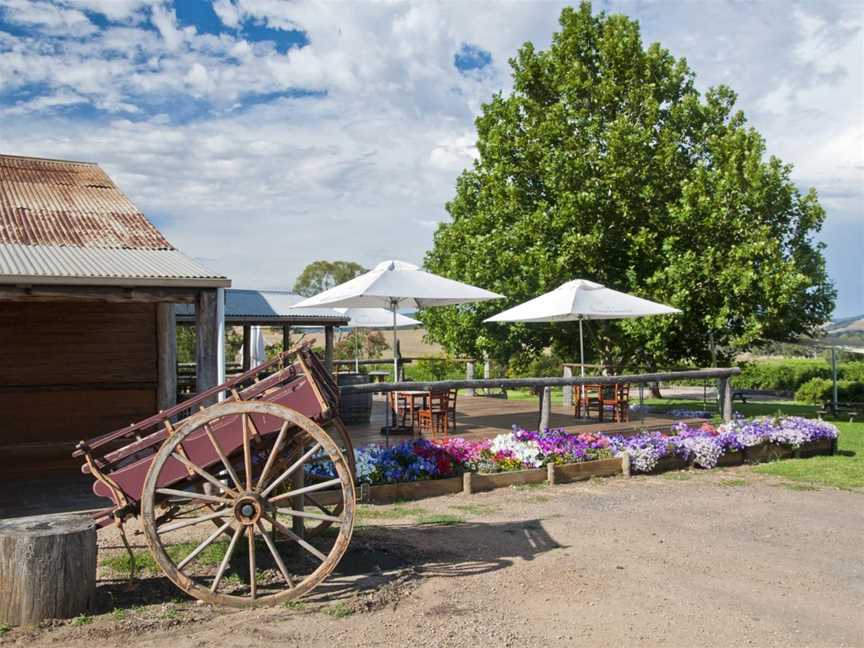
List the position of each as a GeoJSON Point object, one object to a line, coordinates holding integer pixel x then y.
{"type": "Point", "coordinates": [4, 628]}
{"type": "Point", "coordinates": [81, 619]}
{"type": "Point", "coordinates": [442, 519]}
{"type": "Point", "coordinates": [339, 611]}
{"type": "Point", "coordinates": [476, 509]}
{"type": "Point", "coordinates": [392, 512]}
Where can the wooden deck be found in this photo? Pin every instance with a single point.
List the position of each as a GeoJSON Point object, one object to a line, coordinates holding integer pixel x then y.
{"type": "Point", "coordinates": [482, 417]}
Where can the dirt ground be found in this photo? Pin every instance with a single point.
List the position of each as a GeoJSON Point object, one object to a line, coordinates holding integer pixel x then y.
{"type": "Point", "coordinates": [719, 558]}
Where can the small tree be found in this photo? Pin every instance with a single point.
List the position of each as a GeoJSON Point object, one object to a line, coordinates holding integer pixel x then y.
{"type": "Point", "coordinates": [318, 276]}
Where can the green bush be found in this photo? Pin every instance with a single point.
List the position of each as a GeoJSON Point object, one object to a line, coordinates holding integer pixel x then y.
{"type": "Point", "coordinates": [819, 390]}
{"type": "Point", "coordinates": [535, 366]}
{"type": "Point", "coordinates": [427, 369]}
{"type": "Point", "coordinates": [784, 376]}
{"type": "Point", "coordinates": [851, 371]}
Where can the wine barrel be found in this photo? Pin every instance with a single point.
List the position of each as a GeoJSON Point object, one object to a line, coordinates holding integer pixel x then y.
{"type": "Point", "coordinates": [354, 408]}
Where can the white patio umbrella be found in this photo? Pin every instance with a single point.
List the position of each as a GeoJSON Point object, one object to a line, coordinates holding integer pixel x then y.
{"type": "Point", "coordinates": [582, 300]}
{"type": "Point", "coordinates": [258, 352]}
{"type": "Point", "coordinates": [372, 318]}
{"type": "Point", "coordinates": [394, 285]}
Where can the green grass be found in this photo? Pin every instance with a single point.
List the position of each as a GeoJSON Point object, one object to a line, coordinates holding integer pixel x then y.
{"type": "Point", "coordinates": [293, 605]}
{"type": "Point", "coordinates": [734, 483]}
{"type": "Point", "coordinates": [339, 611]}
{"type": "Point", "coordinates": [212, 555]}
{"type": "Point", "coordinates": [4, 628]}
{"type": "Point", "coordinates": [441, 519]}
{"type": "Point", "coordinates": [81, 619]}
{"type": "Point", "coordinates": [119, 614]}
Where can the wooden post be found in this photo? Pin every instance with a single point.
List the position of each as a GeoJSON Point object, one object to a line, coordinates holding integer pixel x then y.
{"type": "Point", "coordinates": [247, 347]}
{"type": "Point", "coordinates": [166, 356]}
{"type": "Point", "coordinates": [625, 464]}
{"type": "Point", "coordinates": [328, 349]}
{"type": "Point", "coordinates": [550, 473]}
{"type": "Point", "coordinates": [568, 389]}
{"type": "Point", "coordinates": [545, 407]}
{"type": "Point", "coordinates": [286, 337]}
{"type": "Point", "coordinates": [467, 485]}
{"type": "Point", "coordinates": [47, 568]}
{"type": "Point", "coordinates": [487, 366]}
{"type": "Point", "coordinates": [726, 395]}
{"type": "Point", "coordinates": [469, 375]}
{"type": "Point", "coordinates": [207, 341]}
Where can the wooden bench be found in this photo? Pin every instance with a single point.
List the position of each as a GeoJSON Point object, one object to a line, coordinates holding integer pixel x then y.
{"type": "Point", "coordinates": [844, 409]}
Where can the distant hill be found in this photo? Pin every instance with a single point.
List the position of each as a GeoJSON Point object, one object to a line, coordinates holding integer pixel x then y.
{"type": "Point", "coordinates": [846, 325]}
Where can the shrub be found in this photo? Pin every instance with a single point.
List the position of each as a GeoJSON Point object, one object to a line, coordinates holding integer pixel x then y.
{"type": "Point", "coordinates": [427, 369]}
{"type": "Point", "coordinates": [819, 390]}
{"type": "Point", "coordinates": [786, 376]}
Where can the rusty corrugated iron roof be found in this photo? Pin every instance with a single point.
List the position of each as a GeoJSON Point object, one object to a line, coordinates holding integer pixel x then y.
{"type": "Point", "coordinates": [67, 222]}
{"type": "Point", "coordinates": [55, 202]}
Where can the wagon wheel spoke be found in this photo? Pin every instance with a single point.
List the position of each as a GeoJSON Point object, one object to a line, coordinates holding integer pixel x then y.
{"type": "Point", "coordinates": [203, 474]}
{"type": "Point", "coordinates": [253, 589]}
{"type": "Point", "coordinates": [275, 553]}
{"type": "Point", "coordinates": [193, 496]}
{"type": "Point", "coordinates": [274, 453]}
{"type": "Point", "coordinates": [228, 467]}
{"type": "Point", "coordinates": [226, 559]}
{"type": "Point", "coordinates": [296, 538]}
{"type": "Point", "coordinates": [311, 516]}
{"type": "Point", "coordinates": [201, 547]}
{"type": "Point", "coordinates": [167, 528]}
{"type": "Point", "coordinates": [306, 489]}
{"type": "Point", "coordinates": [247, 452]}
{"type": "Point", "coordinates": [291, 470]}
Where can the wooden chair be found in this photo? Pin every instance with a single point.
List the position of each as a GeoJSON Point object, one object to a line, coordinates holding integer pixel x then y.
{"type": "Point", "coordinates": [451, 409]}
{"type": "Point", "coordinates": [434, 417]}
{"type": "Point", "coordinates": [615, 399]}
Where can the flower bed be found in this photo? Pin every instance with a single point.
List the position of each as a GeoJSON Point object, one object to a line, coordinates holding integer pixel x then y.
{"type": "Point", "coordinates": [707, 446]}
{"type": "Point", "coordinates": [520, 456]}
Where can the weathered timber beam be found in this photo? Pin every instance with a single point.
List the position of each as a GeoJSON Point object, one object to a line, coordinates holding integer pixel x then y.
{"type": "Point", "coordinates": [166, 356]}
{"type": "Point", "coordinates": [514, 383]}
{"type": "Point", "coordinates": [111, 294]}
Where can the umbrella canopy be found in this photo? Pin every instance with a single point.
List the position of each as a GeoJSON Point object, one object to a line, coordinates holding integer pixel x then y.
{"type": "Point", "coordinates": [372, 318]}
{"type": "Point", "coordinates": [580, 300]}
{"type": "Point", "coordinates": [400, 282]}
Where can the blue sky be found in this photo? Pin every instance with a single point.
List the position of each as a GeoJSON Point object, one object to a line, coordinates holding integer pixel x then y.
{"type": "Point", "coordinates": [261, 135]}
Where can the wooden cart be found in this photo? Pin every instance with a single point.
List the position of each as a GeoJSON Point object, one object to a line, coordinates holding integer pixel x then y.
{"type": "Point", "coordinates": [244, 502]}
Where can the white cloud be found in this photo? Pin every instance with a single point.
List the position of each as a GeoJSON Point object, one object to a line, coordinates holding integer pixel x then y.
{"type": "Point", "coordinates": [363, 170]}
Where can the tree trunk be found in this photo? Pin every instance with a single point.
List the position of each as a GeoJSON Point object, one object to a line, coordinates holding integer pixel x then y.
{"type": "Point", "coordinates": [47, 568]}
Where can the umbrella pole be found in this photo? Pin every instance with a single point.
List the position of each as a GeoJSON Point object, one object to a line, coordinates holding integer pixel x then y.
{"type": "Point", "coordinates": [356, 352]}
{"type": "Point", "coordinates": [581, 351]}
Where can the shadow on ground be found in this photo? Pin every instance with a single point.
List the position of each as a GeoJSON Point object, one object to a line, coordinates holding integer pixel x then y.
{"type": "Point", "coordinates": [381, 556]}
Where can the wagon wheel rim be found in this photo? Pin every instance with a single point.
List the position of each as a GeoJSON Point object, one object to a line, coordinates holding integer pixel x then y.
{"type": "Point", "coordinates": [344, 440]}
{"type": "Point", "coordinates": [255, 514]}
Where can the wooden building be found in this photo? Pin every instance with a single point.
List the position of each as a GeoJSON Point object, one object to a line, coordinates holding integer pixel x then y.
{"type": "Point", "coordinates": [87, 327]}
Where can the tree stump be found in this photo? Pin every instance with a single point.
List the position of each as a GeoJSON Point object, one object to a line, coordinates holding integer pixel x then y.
{"type": "Point", "coordinates": [47, 568]}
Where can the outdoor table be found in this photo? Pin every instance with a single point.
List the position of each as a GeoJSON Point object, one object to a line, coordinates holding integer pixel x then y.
{"type": "Point", "coordinates": [378, 376]}
{"type": "Point", "coordinates": [411, 397]}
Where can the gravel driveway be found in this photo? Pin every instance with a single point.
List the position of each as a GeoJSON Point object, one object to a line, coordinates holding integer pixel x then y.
{"type": "Point", "coordinates": [719, 558]}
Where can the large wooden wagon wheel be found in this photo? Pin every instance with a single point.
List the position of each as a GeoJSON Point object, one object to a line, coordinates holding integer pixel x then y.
{"type": "Point", "coordinates": [268, 559]}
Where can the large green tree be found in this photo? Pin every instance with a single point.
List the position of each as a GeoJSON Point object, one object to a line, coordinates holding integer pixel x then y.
{"type": "Point", "coordinates": [321, 275]}
{"type": "Point", "coordinates": [606, 163]}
